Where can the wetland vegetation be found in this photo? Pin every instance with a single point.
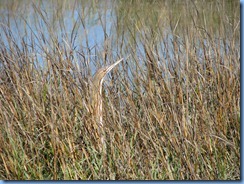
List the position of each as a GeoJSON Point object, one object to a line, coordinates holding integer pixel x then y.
{"type": "Point", "coordinates": [171, 109]}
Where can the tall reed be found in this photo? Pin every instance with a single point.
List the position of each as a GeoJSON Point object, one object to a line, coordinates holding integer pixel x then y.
{"type": "Point", "coordinates": [171, 111]}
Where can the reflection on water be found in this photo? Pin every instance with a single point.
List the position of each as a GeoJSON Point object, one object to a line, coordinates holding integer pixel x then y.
{"type": "Point", "coordinates": [92, 33]}
{"type": "Point", "coordinates": [170, 111]}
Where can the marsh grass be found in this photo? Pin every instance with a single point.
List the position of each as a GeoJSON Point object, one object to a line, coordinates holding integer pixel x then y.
{"type": "Point", "coordinates": [171, 110]}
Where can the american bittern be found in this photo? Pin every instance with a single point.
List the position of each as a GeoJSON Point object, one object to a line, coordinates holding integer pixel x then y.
{"type": "Point", "coordinates": [96, 98]}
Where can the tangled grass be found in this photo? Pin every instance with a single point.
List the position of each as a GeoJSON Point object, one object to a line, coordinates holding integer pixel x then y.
{"type": "Point", "coordinates": [171, 110]}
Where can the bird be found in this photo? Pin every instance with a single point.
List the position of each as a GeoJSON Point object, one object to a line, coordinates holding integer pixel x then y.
{"type": "Point", "coordinates": [96, 100]}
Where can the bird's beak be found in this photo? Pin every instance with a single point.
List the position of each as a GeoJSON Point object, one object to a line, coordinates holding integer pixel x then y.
{"type": "Point", "coordinates": [113, 65]}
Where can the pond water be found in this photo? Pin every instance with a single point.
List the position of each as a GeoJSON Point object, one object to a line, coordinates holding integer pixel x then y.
{"type": "Point", "coordinates": [95, 33]}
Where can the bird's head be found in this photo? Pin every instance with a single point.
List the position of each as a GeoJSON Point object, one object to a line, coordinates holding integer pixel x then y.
{"type": "Point", "coordinates": [101, 73]}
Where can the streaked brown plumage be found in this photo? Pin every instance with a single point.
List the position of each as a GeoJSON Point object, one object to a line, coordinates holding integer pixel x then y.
{"type": "Point", "coordinates": [96, 98]}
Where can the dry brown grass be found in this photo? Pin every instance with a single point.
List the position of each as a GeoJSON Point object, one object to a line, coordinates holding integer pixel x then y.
{"type": "Point", "coordinates": [171, 111]}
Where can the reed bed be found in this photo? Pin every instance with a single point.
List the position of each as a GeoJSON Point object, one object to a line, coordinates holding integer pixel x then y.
{"type": "Point", "coordinates": [171, 109]}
